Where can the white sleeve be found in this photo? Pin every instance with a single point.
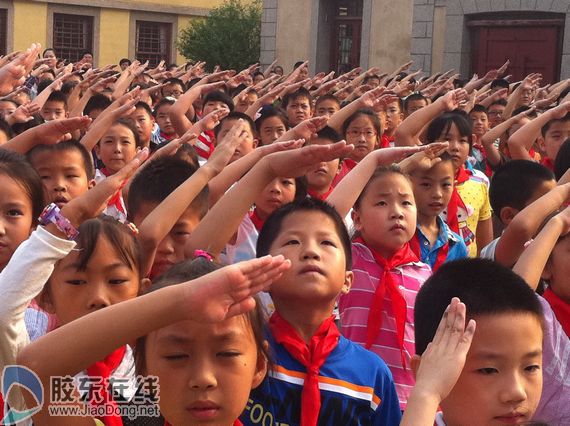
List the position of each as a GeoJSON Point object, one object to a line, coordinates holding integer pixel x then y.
{"type": "Point", "coordinates": [22, 279]}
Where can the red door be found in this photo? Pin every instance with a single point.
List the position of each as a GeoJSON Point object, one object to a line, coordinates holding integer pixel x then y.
{"type": "Point", "coordinates": [530, 48]}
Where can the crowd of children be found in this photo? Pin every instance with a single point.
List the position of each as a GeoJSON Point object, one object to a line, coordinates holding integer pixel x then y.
{"type": "Point", "coordinates": [283, 249]}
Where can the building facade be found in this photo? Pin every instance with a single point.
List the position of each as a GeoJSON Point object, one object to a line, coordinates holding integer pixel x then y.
{"type": "Point", "coordinates": [467, 35]}
{"type": "Point", "coordinates": [111, 29]}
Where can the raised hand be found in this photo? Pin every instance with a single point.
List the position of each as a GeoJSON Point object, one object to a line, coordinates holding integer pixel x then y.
{"type": "Point", "coordinates": [453, 99]}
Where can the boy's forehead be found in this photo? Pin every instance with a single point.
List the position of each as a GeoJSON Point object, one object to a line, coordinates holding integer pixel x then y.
{"type": "Point", "coordinates": [54, 104]}
{"type": "Point", "coordinates": [228, 123]}
{"type": "Point", "coordinates": [299, 99]}
{"type": "Point", "coordinates": [559, 125]}
{"type": "Point", "coordinates": [296, 221]}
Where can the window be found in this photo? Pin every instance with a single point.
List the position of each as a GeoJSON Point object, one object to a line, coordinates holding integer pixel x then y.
{"type": "Point", "coordinates": [72, 35]}
{"type": "Point", "coordinates": [3, 31]}
{"type": "Point", "coordinates": [153, 42]}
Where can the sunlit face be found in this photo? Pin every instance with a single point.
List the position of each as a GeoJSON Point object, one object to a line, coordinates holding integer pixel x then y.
{"type": "Point", "coordinates": [53, 110]}
{"type": "Point", "coordinates": [116, 148]}
{"type": "Point", "coordinates": [480, 122]}
{"type": "Point", "coordinates": [244, 103]}
{"type": "Point", "coordinates": [394, 117]}
{"type": "Point", "coordinates": [63, 175]}
{"type": "Point", "coordinates": [298, 109]}
{"type": "Point", "coordinates": [106, 280]}
{"type": "Point", "coordinates": [163, 119]}
{"type": "Point", "coordinates": [320, 178]}
{"type": "Point", "coordinates": [495, 115]}
{"type": "Point", "coordinates": [50, 54]}
{"type": "Point", "coordinates": [326, 108]}
{"type": "Point", "coordinates": [414, 105]}
{"type": "Point", "coordinates": [278, 193]}
{"type": "Point", "coordinates": [7, 108]}
{"type": "Point", "coordinates": [144, 123]}
{"type": "Point", "coordinates": [173, 90]}
{"type": "Point", "coordinates": [246, 146]}
{"type": "Point", "coordinates": [310, 240]}
{"type": "Point", "coordinates": [433, 189]}
{"type": "Point", "coordinates": [271, 129]}
{"type": "Point", "coordinates": [170, 250]}
{"type": "Point", "coordinates": [362, 134]}
{"type": "Point", "coordinates": [458, 145]}
{"type": "Point", "coordinates": [555, 136]}
{"type": "Point", "coordinates": [386, 216]}
{"type": "Point", "coordinates": [213, 106]}
{"type": "Point", "coordinates": [15, 217]}
{"type": "Point", "coordinates": [205, 371]}
{"type": "Point", "coordinates": [501, 381]}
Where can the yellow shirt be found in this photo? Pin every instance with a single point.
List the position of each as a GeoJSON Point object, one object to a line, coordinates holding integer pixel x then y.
{"type": "Point", "coordinates": [475, 195]}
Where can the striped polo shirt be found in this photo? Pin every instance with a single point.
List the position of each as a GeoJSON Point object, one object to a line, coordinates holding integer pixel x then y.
{"type": "Point", "coordinates": [354, 308]}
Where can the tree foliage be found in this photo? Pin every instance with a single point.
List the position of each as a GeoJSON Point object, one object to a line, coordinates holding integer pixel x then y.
{"type": "Point", "coordinates": [228, 36]}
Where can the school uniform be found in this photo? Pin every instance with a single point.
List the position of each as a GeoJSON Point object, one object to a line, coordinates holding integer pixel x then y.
{"type": "Point", "coordinates": [356, 388]}
{"type": "Point", "coordinates": [355, 309]}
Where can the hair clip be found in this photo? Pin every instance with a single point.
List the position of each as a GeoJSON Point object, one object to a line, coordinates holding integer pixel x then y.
{"type": "Point", "coordinates": [204, 254]}
{"type": "Point", "coordinates": [258, 114]}
{"type": "Point", "coordinates": [132, 227]}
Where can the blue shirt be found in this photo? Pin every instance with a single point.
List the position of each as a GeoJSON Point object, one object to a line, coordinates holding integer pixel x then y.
{"type": "Point", "coordinates": [356, 389]}
{"type": "Point", "coordinates": [457, 248]}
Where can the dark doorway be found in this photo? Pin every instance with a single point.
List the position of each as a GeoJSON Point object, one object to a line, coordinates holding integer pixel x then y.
{"type": "Point", "coordinates": [532, 45]}
{"type": "Point", "coordinates": [345, 44]}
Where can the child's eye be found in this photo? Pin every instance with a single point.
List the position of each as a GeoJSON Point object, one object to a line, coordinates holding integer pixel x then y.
{"type": "Point", "coordinates": [291, 243]}
{"type": "Point", "coordinates": [329, 243]}
{"type": "Point", "coordinates": [487, 371]}
{"type": "Point", "coordinates": [381, 203]}
{"type": "Point", "coordinates": [532, 368]}
{"type": "Point", "coordinates": [75, 282]}
{"type": "Point", "coordinates": [407, 203]}
{"type": "Point", "coordinates": [72, 176]}
{"type": "Point", "coordinates": [15, 213]}
{"type": "Point", "coordinates": [228, 354]}
{"type": "Point", "coordinates": [175, 357]}
{"type": "Point", "coordinates": [425, 185]}
{"type": "Point", "coordinates": [118, 281]}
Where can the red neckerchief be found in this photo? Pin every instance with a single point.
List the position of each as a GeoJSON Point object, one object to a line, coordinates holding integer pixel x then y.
{"type": "Point", "coordinates": [387, 285]}
{"type": "Point", "coordinates": [257, 221]}
{"type": "Point", "coordinates": [548, 163]}
{"type": "Point", "coordinates": [105, 171]}
{"type": "Point", "coordinates": [104, 369]}
{"type": "Point", "coordinates": [236, 423]}
{"type": "Point", "coordinates": [561, 309]}
{"type": "Point", "coordinates": [441, 252]}
{"type": "Point", "coordinates": [116, 198]}
{"type": "Point", "coordinates": [386, 141]}
{"type": "Point", "coordinates": [166, 137]}
{"type": "Point", "coordinates": [455, 201]}
{"type": "Point", "coordinates": [312, 355]}
{"type": "Point", "coordinates": [321, 197]}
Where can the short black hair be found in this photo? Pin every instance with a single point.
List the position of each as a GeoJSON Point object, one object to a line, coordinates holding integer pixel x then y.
{"type": "Point", "coordinates": [65, 146]}
{"type": "Point", "coordinates": [441, 125]}
{"type": "Point", "coordinates": [97, 102]}
{"type": "Point", "coordinates": [547, 126]}
{"type": "Point", "coordinates": [479, 108]}
{"type": "Point", "coordinates": [329, 134]}
{"type": "Point", "coordinates": [485, 287]}
{"type": "Point", "coordinates": [234, 116]}
{"type": "Point", "coordinates": [219, 96]}
{"type": "Point", "coordinates": [416, 96]}
{"type": "Point", "coordinates": [562, 161]}
{"type": "Point", "coordinates": [42, 85]}
{"type": "Point", "coordinates": [299, 93]}
{"type": "Point", "coordinates": [158, 180]}
{"type": "Point", "coordinates": [327, 97]}
{"type": "Point", "coordinates": [58, 96]}
{"type": "Point", "coordinates": [500, 82]}
{"type": "Point", "coordinates": [268, 111]}
{"type": "Point", "coordinates": [272, 226]}
{"type": "Point", "coordinates": [125, 60]}
{"type": "Point", "coordinates": [145, 106]}
{"type": "Point", "coordinates": [162, 102]}
{"type": "Point", "coordinates": [176, 81]}
{"type": "Point", "coordinates": [501, 102]}
{"type": "Point", "coordinates": [513, 184]}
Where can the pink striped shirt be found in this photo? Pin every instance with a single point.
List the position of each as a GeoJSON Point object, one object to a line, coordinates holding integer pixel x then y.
{"type": "Point", "coordinates": [354, 308]}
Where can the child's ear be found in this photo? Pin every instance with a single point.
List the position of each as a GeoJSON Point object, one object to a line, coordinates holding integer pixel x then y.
{"type": "Point", "coordinates": [261, 366]}
{"type": "Point", "coordinates": [144, 285]}
{"type": "Point", "coordinates": [255, 143]}
{"type": "Point", "coordinates": [91, 183]}
{"type": "Point", "coordinates": [97, 150]}
{"type": "Point", "coordinates": [507, 214]}
{"type": "Point", "coordinates": [541, 143]}
{"type": "Point", "coordinates": [416, 361]}
{"type": "Point", "coordinates": [44, 300]}
{"type": "Point", "coordinates": [355, 219]}
{"type": "Point", "coordinates": [547, 271]}
{"type": "Point", "coordinates": [348, 278]}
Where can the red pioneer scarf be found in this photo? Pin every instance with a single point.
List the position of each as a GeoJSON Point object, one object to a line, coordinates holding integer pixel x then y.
{"type": "Point", "coordinates": [561, 309]}
{"type": "Point", "coordinates": [321, 197]}
{"type": "Point", "coordinates": [387, 285]}
{"type": "Point", "coordinates": [104, 369]}
{"type": "Point", "coordinates": [312, 355]}
{"type": "Point", "coordinates": [455, 201]}
{"type": "Point", "coordinates": [441, 252]}
{"type": "Point", "coordinates": [257, 221]}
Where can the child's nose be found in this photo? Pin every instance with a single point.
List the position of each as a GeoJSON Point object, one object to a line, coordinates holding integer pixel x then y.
{"type": "Point", "coordinates": [513, 390]}
{"type": "Point", "coordinates": [98, 297]}
{"type": "Point", "coordinates": [203, 375]}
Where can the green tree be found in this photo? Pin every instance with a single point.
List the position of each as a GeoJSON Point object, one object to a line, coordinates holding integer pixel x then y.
{"type": "Point", "coordinates": [228, 36]}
